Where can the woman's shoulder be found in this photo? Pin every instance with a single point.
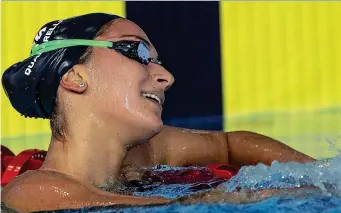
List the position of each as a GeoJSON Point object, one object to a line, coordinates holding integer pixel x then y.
{"type": "Point", "coordinates": [39, 190]}
{"type": "Point", "coordinates": [47, 190]}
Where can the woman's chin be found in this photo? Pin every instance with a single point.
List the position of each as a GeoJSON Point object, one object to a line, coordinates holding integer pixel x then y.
{"type": "Point", "coordinates": [153, 127]}
{"type": "Point", "coordinates": [156, 126]}
{"type": "Point", "coordinates": [147, 132]}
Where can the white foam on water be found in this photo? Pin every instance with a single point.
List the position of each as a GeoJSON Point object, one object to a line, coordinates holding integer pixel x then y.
{"type": "Point", "coordinates": [324, 174]}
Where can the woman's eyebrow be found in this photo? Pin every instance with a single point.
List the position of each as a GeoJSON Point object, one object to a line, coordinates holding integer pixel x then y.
{"type": "Point", "coordinates": [137, 37]}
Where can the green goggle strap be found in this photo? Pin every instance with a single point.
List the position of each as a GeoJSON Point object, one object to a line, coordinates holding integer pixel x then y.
{"type": "Point", "coordinates": [57, 44]}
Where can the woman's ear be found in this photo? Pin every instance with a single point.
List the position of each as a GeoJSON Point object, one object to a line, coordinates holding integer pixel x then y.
{"type": "Point", "coordinates": [75, 79]}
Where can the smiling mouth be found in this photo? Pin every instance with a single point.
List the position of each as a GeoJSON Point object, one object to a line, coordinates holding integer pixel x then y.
{"type": "Point", "coordinates": [152, 97]}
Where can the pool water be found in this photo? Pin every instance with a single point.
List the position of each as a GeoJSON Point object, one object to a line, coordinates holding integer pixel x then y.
{"type": "Point", "coordinates": [272, 205]}
{"type": "Point", "coordinates": [325, 175]}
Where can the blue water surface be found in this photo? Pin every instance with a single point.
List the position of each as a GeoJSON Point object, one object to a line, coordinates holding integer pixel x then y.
{"type": "Point", "coordinates": [325, 175]}
{"type": "Point", "coordinates": [323, 204]}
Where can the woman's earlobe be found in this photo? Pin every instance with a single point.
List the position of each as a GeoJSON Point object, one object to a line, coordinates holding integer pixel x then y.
{"type": "Point", "coordinates": [82, 86]}
{"type": "Point", "coordinates": [72, 82]}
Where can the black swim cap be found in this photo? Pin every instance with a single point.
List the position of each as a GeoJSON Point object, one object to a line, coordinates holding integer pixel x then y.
{"type": "Point", "coordinates": [31, 85]}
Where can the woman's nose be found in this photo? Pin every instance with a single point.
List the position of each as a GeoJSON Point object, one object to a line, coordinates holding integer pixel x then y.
{"type": "Point", "coordinates": [163, 78]}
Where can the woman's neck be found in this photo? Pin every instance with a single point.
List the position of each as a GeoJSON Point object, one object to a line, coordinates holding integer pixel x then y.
{"type": "Point", "coordinates": [93, 160]}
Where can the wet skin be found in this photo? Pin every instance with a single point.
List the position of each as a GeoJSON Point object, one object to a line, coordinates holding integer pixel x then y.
{"type": "Point", "coordinates": [113, 130]}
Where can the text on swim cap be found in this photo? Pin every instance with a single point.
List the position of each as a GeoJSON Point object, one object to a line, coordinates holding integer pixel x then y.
{"type": "Point", "coordinates": [28, 70]}
{"type": "Point", "coordinates": [50, 31]}
{"type": "Point", "coordinates": [31, 65]}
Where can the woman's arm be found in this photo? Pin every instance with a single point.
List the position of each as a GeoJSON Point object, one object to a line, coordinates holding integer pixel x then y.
{"type": "Point", "coordinates": [178, 147]}
{"type": "Point", "coordinates": [248, 148]}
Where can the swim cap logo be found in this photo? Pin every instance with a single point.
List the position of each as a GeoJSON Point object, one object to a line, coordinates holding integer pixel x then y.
{"type": "Point", "coordinates": [40, 33]}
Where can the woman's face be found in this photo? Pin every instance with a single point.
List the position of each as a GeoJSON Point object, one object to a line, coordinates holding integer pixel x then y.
{"type": "Point", "coordinates": [120, 86]}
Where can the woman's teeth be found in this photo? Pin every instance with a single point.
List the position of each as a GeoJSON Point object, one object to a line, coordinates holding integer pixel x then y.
{"type": "Point", "coordinates": [152, 96]}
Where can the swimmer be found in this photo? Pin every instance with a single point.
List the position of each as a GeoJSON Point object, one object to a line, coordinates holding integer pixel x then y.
{"type": "Point", "coordinates": [100, 82]}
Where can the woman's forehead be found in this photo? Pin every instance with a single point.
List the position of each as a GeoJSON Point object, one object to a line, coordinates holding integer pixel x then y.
{"type": "Point", "coordinates": [123, 27]}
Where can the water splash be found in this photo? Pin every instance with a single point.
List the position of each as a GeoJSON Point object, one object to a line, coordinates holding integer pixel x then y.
{"type": "Point", "coordinates": [324, 174]}
{"type": "Point", "coordinates": [333, 144]}
{"type": "Point", "coordinates": [163, 168]}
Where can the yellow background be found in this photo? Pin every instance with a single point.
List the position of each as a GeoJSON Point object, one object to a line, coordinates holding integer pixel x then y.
{"type": "Point", "coordinates": [280, 68]}
{"type": "Point", "coordinates": [281, 65]}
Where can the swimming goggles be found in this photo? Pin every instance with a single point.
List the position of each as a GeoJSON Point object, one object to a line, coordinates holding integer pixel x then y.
{"type": "Point", "coordinates": [135, 50]}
